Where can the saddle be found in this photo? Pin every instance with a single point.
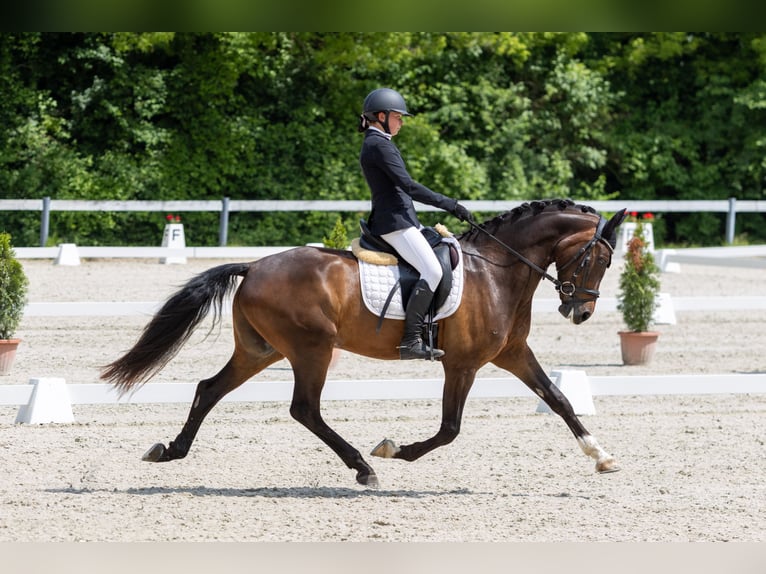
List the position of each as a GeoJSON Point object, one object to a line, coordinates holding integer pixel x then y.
{"type": "Point", "coordinates": [445, 252]}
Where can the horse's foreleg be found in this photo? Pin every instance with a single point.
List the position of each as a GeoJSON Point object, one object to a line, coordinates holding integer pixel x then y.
{"type": "Point", "coordinates": [304, 408]}
{"type": "Point", "coordinates": [526, 368]}
{"type": "Point", "coordinates": [456, 388]}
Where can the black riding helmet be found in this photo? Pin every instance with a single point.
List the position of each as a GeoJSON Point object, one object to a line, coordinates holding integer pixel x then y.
{"type": "Point", "coordinates": [383, 100]}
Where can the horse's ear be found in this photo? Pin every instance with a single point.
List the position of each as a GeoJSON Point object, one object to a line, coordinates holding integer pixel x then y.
{"type": "Point", "coordinates": [610, 229]}
{"type": "Point", "coordinates": [619, 217]}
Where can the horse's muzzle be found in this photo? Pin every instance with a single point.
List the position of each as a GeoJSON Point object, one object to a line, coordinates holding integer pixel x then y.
{"type": "Point", "coordinates": [577, 311]}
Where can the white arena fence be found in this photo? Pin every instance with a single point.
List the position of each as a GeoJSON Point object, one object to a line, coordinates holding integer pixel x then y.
{"type": "Point", "coordinates": [731, 206]}
{"type": "Point", "coordinates": [746, 256]}
{"type": "Point", "coordinates": [539, 305]}
{"type": "Point", "coordinates": [753, 256]}
{"type": "Point", "coordinates": [50, 400]}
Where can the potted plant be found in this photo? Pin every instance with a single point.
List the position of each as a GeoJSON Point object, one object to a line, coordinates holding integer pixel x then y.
{"type": "Point", "coordinates": [637, 300]}
{"type": "Point", "coordinates": [13, 297]}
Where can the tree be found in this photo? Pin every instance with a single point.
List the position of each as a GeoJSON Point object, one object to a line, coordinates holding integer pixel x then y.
{"type": "Point", "coordinates": [690, 122]}
{"type": "Point", "coordinates": [274, 115]}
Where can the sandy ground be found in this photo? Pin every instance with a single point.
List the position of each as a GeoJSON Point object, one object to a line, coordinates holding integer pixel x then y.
{"type": "Point", "coordinates": [693, 466]}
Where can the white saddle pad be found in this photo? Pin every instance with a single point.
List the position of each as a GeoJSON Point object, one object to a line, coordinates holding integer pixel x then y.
{"type": "Point", "coordinates": [378, 280]}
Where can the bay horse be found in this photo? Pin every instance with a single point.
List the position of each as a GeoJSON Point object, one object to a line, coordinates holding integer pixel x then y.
{"type": "Point", "coordinates": [302, 303]}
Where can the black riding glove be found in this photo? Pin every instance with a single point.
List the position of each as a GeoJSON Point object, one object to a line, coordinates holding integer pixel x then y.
{"type": "Point", "coordinates": [462, 213]}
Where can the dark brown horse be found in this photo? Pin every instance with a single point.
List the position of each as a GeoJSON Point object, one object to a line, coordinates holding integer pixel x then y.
{"type": "Point", "coordinates": [302, 303]}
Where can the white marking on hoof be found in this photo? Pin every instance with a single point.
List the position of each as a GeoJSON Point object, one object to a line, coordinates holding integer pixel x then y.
{"type": "Point", "coordinates": [606, 466]}
{"type": "Point", "coordinates": [385, 449]}
{"type": "Point", "coordinates": [604, 461]}
{"type": "Point", "coordinates": [154, 453]}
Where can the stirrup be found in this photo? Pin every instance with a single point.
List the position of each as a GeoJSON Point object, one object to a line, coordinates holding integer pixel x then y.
{"type": "Point", "coordinates": [419, 350]}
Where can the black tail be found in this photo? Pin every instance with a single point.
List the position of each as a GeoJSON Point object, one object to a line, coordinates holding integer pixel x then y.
{"type": "Point", "coordinates": [173, 324]}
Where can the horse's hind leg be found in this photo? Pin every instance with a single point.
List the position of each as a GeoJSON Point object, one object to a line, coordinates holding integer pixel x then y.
{"type": "Point", "coordinates": [532, 374]}
{"type": "Point", "coordinates": [241, 366]}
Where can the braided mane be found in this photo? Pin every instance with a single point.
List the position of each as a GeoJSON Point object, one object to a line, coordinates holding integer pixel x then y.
{"type": "Point", "coordinates": [531, 208]}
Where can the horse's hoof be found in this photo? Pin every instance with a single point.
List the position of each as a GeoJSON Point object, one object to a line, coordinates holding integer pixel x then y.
{"type": "Point", "coordinates": [367, 479]}
{"type": "Point", "coordinates": [155, 453]}
{"type": "Point", "coordinates": [385, 449]}
{"type": "Point", "coordinates": [606, 466]}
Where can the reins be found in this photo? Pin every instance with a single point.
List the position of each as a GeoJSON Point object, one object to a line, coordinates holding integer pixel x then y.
{"type": "Point", "coordinates": [567, 288]}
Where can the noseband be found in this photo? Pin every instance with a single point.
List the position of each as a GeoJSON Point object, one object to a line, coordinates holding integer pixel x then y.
{"type": "Point", "coordinates": [566, 288]}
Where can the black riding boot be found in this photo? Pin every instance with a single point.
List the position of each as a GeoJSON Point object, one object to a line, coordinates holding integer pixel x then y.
{"type": "Point", "coordinates": [412, 345]}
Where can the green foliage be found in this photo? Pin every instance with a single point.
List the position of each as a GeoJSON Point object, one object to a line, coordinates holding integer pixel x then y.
{"type": "Point", "coordinates": [338, 238]}
{"type": "Point", "coordinates": [273, 115]}
{"type": "Point", "coordinates": [690, 122]}
{"type": "Point", "coordinates": [639, 284]}
{"type": "Point", "coordinates": [13, 288]}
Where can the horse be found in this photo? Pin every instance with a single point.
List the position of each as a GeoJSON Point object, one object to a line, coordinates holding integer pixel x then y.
{"type": "Point", "coordinates": [302, 303]}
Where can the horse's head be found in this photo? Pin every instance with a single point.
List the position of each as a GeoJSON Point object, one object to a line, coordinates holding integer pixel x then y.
{"type": "Point", "coordinates": [574, 237]}
{"type": "Point", "coordinates": [581, 264]}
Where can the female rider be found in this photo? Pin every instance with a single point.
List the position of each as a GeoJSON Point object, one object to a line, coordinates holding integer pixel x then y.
{"type": "Point", "coordinates": [393, 216]}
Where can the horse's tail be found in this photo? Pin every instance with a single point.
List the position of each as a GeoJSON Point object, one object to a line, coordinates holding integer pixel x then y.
{"type": "Point", "coordinates": [173, 324]}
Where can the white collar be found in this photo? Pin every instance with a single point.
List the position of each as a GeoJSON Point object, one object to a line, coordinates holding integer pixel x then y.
{"type": "Point", "coordinates": [385, 135]}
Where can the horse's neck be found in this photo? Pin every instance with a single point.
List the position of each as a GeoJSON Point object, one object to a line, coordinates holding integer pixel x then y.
{"type": "Point", "coordinates": [534, 237]}
{"type": "Point", "coordinates": [530, 236]}
{"type": "Point", "coordinates": [542, 232]}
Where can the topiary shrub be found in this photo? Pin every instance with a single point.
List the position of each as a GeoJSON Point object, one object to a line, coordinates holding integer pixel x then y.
{"type": "Point", "coordinates": [338, 237]}
{"type": "Point", "coordinates": [13, 288]}
{"type": "Point", "coordinates": [639, 284]}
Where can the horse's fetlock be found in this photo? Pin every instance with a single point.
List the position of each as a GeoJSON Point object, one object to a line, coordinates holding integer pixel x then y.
{"type": "Point", "coordinates": [177, 449]}
{"type": "Point", "coordinates": [449, 432]}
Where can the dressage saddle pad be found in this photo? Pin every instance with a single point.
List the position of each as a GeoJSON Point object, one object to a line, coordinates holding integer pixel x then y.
{"type": "Point", "coordinates": [377, 281]}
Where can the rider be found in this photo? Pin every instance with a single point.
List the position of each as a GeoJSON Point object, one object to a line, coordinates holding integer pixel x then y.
{"type": "Point", "coordinates": [393, 216]}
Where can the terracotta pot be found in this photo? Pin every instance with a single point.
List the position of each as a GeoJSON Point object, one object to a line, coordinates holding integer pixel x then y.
{"type": "Point", "coordinates": [8, 354]}
{"type": "Point", "coordinates": [638, 346]}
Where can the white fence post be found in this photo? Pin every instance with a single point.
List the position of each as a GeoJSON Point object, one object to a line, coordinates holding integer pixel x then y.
{"type": "Point", "coordinates": [731, 220]}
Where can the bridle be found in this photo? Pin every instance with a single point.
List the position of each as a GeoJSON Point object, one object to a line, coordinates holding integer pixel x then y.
{"type": "Point", "coordinates": [568, 288]}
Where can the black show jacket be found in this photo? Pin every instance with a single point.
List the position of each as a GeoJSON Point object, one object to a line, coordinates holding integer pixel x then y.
{"type": "Point", "coordinates": [393, 190]}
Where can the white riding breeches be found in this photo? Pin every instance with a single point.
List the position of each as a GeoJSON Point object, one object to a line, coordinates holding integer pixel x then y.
{"type": "Point", "coordinates": [415, 250]}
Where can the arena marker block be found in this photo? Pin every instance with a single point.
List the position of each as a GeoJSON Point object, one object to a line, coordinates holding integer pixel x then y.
{"type": "Point", "coordinates": [625, 234]}
{"type": "Point", "coordinates": [664, 313]}
{"type": "Point", "coordinates": [173, 238]}
{"type": "Point", "coordinates": [67, 255]}
{"type": "Point", "coordinates": [662, 258]}
{"type": "Point", "coordinates": [576, 387]}
{"type": "Point", "coordinates": [49, 403]}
